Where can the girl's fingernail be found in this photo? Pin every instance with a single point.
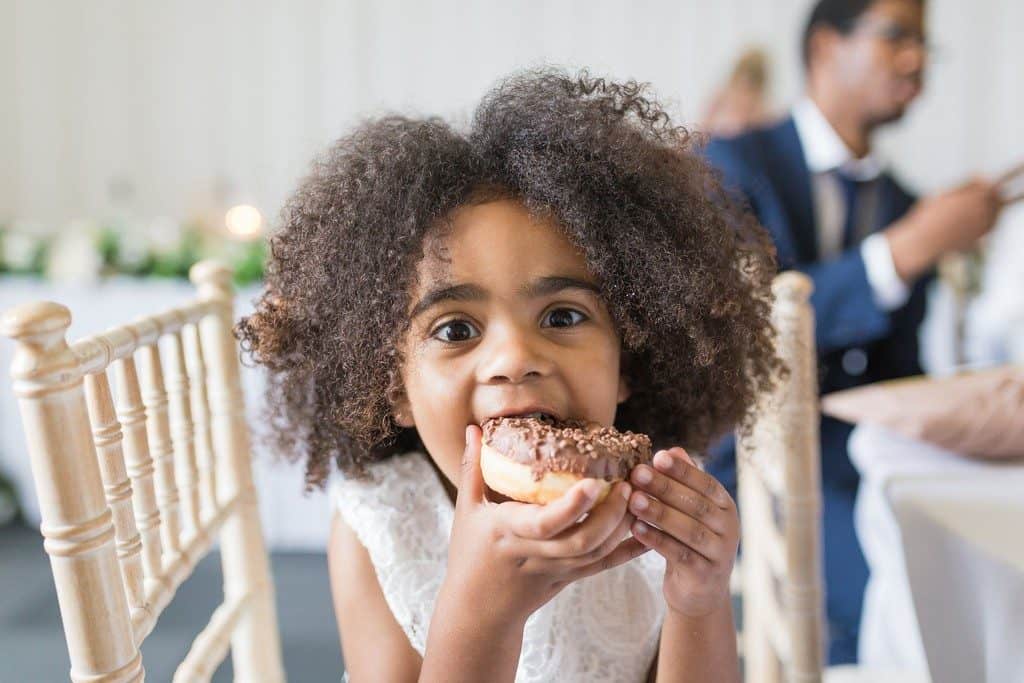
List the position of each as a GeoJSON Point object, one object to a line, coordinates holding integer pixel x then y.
{"type": "Point", "coordinates": [625, 489]}
{"type": "Point", "coordinates": [663, 460]}
{"type": "Point", "coordinates": [643, 475]}
{"type": "Point", "coordinates": [640, 502]}
{"type": "Point", "coordinates": [639, 528]}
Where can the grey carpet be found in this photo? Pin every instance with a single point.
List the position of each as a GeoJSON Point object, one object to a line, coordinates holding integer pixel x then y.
{"type": "Point", "coordinates": [32, 645]}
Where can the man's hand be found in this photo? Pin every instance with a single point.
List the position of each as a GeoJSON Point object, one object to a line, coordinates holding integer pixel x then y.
{"type": "Point", "coordinates": [947, 222]}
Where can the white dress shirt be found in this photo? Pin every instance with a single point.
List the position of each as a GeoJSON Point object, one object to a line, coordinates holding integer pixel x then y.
{"type": "Point", "coordinates": [826, 153]}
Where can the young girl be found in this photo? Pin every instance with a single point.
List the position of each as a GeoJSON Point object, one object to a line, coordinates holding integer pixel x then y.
{"type": "Point", "coordinates": [569, 254]}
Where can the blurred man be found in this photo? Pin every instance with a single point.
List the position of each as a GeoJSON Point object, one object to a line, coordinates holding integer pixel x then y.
{"type": "Point", "coordinates": [837, 215]}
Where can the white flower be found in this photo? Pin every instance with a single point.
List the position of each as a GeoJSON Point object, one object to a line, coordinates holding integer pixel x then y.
{"type": "Point", "coordinates": [163, 234]}
{"type": "Point", "coordinates": [73, 254]}
{"type": "Point", "coordinates": [132, 249]}
{"type": "Point", "coordinates": [19, 248]}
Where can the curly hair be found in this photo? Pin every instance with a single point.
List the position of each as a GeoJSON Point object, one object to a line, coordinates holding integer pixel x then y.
{"type": "Point", "coordinates": [684, 272]}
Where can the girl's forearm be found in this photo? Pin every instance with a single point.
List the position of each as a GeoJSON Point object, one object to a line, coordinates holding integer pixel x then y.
{"type": "Point", "coordinates": [700, 649]}
{"type": "Point", "coordinates": [470, 642]}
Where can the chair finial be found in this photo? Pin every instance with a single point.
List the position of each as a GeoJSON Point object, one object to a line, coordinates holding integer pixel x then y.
{"type": "Point", "coordinates": [36, 321]}
{"type": "Point", "coordinates": [792, 285]}
{"type": "Point", "coordinates": [212, 279]}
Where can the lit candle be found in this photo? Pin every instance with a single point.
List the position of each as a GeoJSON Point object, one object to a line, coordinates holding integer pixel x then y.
{"type": "Point", "coordinates": [244, 221]}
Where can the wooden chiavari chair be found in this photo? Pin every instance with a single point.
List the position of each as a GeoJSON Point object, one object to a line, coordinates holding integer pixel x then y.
{"type": "Point", "coordinates": [778, 472]}
{"type": "Point", "coordinates": [779, 490]}
{"type": "Point", "coordinates": [141, 459]}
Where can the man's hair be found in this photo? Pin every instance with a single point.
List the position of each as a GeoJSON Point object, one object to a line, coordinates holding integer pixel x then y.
{"type": "Point", "coordinates": [840, 15]}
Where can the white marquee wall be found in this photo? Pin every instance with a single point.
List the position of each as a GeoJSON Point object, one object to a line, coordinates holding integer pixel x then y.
{"type": "Point", "coordinates": [176, 97]}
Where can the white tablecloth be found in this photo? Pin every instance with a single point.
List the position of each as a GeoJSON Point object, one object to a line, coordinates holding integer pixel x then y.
{"type": "Point", "coordinates": [292, 520]}
{"type": "Point", "coordinates": [944, 540]}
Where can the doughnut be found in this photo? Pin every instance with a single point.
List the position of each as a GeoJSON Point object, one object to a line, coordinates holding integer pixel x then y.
{"type": "Point", "coordinates": [536, 460]}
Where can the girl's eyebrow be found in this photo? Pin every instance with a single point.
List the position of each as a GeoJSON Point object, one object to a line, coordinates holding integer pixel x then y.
{"type": "Point", "coordinates": [544, 286]}
{"type": "Point", "coordinates": [465, 292]}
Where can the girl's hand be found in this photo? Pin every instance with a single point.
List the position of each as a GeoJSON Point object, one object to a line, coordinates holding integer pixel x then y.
{"type": "Point", "coordinates": [510, 558]}
{"type": "Point", "coordinates": [690, 519]}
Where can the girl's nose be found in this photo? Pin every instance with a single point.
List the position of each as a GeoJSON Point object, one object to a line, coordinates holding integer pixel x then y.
{"type": "Point", "coordinates": [512, 356]}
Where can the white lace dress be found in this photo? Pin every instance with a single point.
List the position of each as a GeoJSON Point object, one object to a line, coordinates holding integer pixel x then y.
{"type": "Point", "coordinates": [603, 628]}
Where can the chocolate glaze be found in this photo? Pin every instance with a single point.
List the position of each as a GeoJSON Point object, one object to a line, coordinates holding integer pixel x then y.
{"type": "Point", "coordinates": [582, 448]}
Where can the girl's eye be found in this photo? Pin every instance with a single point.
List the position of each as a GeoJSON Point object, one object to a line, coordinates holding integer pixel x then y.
{"type": "Point", "coordinates": [563, 317]}
{"type": "Point", "coordinates": [455, 331]}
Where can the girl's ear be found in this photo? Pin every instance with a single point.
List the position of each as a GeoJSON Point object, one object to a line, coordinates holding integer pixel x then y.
{"type": "Point", "coordinates": [624, 392]}
{"type": "Point", "coordinates": [401, 410]}
{"type": "Point", "coordinates": [625, 361]}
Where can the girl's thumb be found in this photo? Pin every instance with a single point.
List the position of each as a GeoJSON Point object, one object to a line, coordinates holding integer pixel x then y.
{"type": "Point", "coordinates": [471, 479]}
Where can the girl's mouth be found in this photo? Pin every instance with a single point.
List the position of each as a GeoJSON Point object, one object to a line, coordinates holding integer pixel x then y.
{"type": "Point", "coordinates": [547, 418]}
{"type": "Point", "coordinates": [543, 414]}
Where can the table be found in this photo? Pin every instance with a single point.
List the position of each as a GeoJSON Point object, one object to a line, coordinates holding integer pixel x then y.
{"type": "Point", "coordinates": [291, 520]}
{"type": "Point", "coordinates": [944, 539]}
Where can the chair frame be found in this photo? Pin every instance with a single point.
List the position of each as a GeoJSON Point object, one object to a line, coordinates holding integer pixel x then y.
{"type": "Point", "coordinates": [779, 471]}
{"type": "Point", "coordinates": [132, 495]}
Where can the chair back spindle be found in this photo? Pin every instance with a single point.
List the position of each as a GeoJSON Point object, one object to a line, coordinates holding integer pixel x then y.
{"type": "Point", "coordinates": [107, 438]}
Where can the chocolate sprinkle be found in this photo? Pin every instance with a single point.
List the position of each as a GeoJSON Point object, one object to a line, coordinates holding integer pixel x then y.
{"type": "Point", "coordinates": [573, 446]}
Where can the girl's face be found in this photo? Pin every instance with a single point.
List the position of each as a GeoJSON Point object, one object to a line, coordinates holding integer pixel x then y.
{"type": "Point", "coordinates": [505, 320]}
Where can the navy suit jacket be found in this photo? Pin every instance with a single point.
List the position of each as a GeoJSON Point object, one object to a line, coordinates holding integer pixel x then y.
{"type": "Point", "coordinates": [766, 169]}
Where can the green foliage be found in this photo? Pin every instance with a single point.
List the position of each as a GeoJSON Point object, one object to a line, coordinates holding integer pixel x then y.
{"type": "Point", "coordinates": [250, 267]}
{"type": "Point", "coordinates": [28, 254]}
